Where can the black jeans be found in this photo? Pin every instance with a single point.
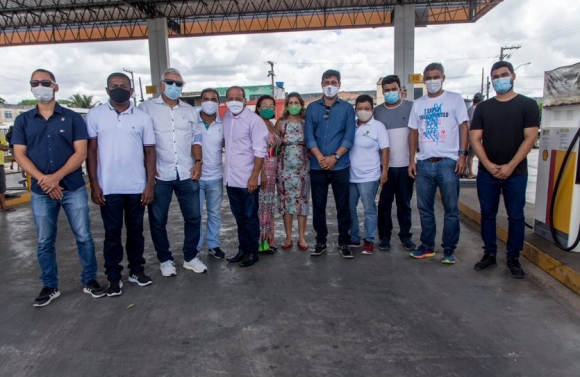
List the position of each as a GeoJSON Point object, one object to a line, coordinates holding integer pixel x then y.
{"type": "Point", "coordinates": [399, 188]}
{"type": "Point", "coordinates": [244, 207]}
{"type": "Point", "coordinates": [339, 180]}
{"type": "Point", "coordinates": [117, 205]}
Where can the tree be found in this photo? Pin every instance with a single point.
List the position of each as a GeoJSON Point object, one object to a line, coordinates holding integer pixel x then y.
{"type": "Point", "coordinates": [27, 102]}
{"type": "Point", "coordinates": [81, 101]}
{"type": "Point", "coordinates": [2, 100]}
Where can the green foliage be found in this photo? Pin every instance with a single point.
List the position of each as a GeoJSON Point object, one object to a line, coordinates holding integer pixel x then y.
{"type": "Point", "coordinates": [2, 100]}
{"type": "Point", "coordinates": [28, 102]}
{"type": "Point", "coordinates": [81, 101]}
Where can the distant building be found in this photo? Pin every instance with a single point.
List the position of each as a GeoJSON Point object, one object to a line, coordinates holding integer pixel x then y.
{"type": "Point", "coordinates": [9, 112]}
{"type": "Point", "coordinates": [252, 93]}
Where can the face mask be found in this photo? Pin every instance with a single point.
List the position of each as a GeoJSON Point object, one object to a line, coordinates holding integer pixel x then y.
{"type": "Point", "coordinates": [235, 107]}
{"type": "Point", "coordinates": [434, 86]}
{"type": "Point", "coordinates": [267, 113]}
{"type": "Point", "coordinates": [119, 95]}
{"type": "Point", "coordinates": [294, 110]}
{"type": "Point", "coordinates": [330, 91]}
{"type": "Point", "coordinates": [209, 107]}
{"type": "Point", "coordinates": [391, 97]}
{"type": "Point", "coordinates": [172, 91]}
{"type": "Point", "coordinates": [503, 84]}
{"type": "Point", "coordinates": [43, 94]}
{"type": "Point", "coordinates": [364, 116]}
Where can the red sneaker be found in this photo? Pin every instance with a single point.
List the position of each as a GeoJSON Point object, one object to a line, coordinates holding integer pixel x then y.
{"type": "Point", "coordinates": [368, 248]}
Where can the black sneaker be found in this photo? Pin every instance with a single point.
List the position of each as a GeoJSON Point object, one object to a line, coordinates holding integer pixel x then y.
{"type": "Point", "coordinates": [115, 288]}
{"type": "Point", "coordinates": [385, 244]}
{"type": "Point", "coordinates": [515, 268]}
{"type": "Point", "coordinates": [318, 249]}
{"type": "Point", "coordinates": [408, 244]}
{"type": "Point", "coordinates": [488, 261]}
{"type": "Point", "coordinates": [216, 252]}
{"type": "Point", "coordinates": [141, 279]}
{"type": "Point", "coordinates": [354, 243]}
{"type": "Point", "coordinates": [46, 296]}
{"type": "Point", "coordinates": [346, 252]}
{"type": "Point", "coordinates": [94, 289]}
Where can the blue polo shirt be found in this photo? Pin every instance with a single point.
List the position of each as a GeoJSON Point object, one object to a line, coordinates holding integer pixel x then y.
{"type": "Point", "coordinates": [49, 143]}
{"type": "Point", "coordinates": [330, 134]}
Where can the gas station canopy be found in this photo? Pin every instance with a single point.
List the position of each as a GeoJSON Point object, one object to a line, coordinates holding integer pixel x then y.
{"type": "Point", "coordinates": [26, 22]}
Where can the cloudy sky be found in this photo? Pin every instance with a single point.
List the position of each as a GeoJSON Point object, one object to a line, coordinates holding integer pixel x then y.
{"type": "Point", "coordinates": [547, 31]}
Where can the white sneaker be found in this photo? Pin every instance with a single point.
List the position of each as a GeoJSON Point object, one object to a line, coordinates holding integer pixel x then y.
{"type": "Point", "coordinates": [196, 265]}
{"type": "Point", "coordinates": [168, 268]}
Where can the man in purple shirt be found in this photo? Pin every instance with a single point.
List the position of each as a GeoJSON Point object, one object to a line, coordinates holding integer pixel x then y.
{"type": "Point", "coordinates": [245, 137]}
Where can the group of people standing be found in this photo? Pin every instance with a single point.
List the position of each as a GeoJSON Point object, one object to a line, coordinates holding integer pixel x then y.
{"type": "Point", "coordinates": [139, 157]}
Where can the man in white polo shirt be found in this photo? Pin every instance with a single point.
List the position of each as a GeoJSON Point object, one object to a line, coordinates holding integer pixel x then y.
{"type": "Point", "coordinates": [211, 184]}
{"type": "Point", "coordinates": [121, 165]}
{"type": "Point", "coordinates": [179, 160]}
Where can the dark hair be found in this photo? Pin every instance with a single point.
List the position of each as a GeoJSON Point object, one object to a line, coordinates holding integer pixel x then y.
{"type": "Point", "coordinates": [286, 113]}
{"type": "Point", "coordinates": [259, 102]}
{"type": "Point", "coordinates": [53, 78]}
{"type": "Point", "coordinates": [391, 79]}
{"type": "Point", "coordinates": [434, 66]}
{"type": "Point", "coordinates": [210, 90]}
{"type": "Point", "coordinates": [236, 87]}
{"type": "Point", "coordinates": [364, 98]}
{"type": "Point", "coordinates": [501, 64]}
{"type": "Point", "coordinates": [121, 75]}
{"type": "Point", "coordinates": [330, 73]}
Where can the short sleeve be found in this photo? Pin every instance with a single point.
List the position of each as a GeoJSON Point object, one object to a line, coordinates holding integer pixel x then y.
{"type": "Point", "coordinates": [79, 128]}
{"type": "Point", "coordinates": [532, 114]}
{"type": "Point", "coordinates": [19, 134]}
{"type": "Point", "coordinates": [383, 136]}
{"type": "Point", "coordinates": [148, 133]}
{"type": "Point", "coordinates": [477, 120]}
{"type": "Point", "coordinates": [92, 123]}
{"type": "Point", "coordinates": [414, 121]}
{"type": "Point", "coordinates": [460, 110]}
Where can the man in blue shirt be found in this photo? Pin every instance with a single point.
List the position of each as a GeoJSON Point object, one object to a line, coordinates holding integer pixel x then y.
{"type": "Point", "coordinates": [330, 128]}
{"type": "Point", "coordinates": [50, 144]}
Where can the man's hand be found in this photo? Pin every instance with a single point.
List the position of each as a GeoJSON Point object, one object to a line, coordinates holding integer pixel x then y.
{"type": "Point", "coordinates": [196, 172]}
{"type": "Point", "coordinates": [252, 184]}
{"type": "Point", "coordinates": [147, 196]}
{"type": "Point", "coordinates": [384, 178]}
{"type": "Point", "coordinates": [56, 193]}
{"type": "Point", "coordinates": [327, 162]}
{"type": "Point", "coordinates": [48, 182]}
{"type": "Point", "coordinates": [492, 168]}
{"type": "Point", "coordinates": [460, 166]}
{"type": "Point", "coordinates": [412, 170]}
{"type": "Point", "coordinates": [97, 195]}
{"type": "Point", "coordinates": [504, 171]}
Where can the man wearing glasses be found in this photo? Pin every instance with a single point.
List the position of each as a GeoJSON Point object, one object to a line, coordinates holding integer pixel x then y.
{"type": "Point", "coordinates": [50, 144]}
{"type": "Point", "coordinates": [329, 135]}
{"type": "Point", "coordinates": [179, 161]}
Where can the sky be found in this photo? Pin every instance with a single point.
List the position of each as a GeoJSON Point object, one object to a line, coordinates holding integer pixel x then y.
{"type": "Point", "coordinates": [548, 33]}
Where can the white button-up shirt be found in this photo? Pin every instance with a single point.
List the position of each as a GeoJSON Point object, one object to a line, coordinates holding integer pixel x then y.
{"type": "Point", "coordinates": [121, 138]}
{"type": "Point", "coordinates": [212, 139]}
{"type": "Point", "coordinates": [175, 133]}
{"type": "Point", "coordinates": [246, 137]}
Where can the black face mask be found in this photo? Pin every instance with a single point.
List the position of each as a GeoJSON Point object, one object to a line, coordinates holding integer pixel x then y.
{"type": "Point", "coordinates": [119, 95]}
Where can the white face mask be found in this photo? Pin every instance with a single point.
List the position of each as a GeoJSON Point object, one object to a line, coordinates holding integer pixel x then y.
{"type": "Point", "coordinates": [364, 116]}
{"type": "Point", "coordinates": [209, 107]}
{"type": "Point", "coordinates": [434, 86]}
{"type": "Point", "coordinates": [330, 91]}
{"type": "Point", "coordinates": [235, 107]}
{"type": "Point", "coordinates": [43, 94]}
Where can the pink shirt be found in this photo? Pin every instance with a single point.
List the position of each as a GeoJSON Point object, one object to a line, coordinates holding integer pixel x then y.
{"type": "Point", "coordinates": [246, 137]}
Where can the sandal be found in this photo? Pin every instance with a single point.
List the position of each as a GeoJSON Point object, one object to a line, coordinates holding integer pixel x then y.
{"type": "Point", "coordinates": [303, 247]}
{"type": "Point", "coordinates": [287, 245]}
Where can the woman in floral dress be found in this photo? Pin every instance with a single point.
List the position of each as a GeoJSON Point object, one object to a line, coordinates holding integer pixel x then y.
{"type": "Point", "coordinates": [293, 169]}
{"type": "Point", "coordinates": [266, 108]}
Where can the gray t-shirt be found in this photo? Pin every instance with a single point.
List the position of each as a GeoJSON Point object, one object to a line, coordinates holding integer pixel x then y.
{"type": "Point", "coordinates": [396, 120]}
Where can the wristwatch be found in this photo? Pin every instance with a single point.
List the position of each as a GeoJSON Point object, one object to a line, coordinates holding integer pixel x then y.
{"type": "Point", "coordinates": [337, 156]}
{"type": "Point", "coordinates": [464, 153]}
{"type": "Point", "coordinates": [200, 161]}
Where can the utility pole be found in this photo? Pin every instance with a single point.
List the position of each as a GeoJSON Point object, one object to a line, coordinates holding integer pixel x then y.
{"type": "Point", "coordinates": [482, 74]}
{"type": "Point", "coordinates": [503, 56]}
{"type": "Point", "coordinates": [487, 90]}
{"type": "Point", "coordinates": [141, 89]}
{"type": "Point", "coordinates": [272, 74]}
{"type": "Point", "coordinates": [132, 85]}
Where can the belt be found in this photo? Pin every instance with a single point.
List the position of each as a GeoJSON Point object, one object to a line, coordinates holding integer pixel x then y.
{"type": "Point", "coordinates": [434, 159]}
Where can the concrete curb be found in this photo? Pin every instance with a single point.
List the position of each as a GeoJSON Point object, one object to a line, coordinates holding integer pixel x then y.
{"type": "Point", "coordinates": [561, 272]}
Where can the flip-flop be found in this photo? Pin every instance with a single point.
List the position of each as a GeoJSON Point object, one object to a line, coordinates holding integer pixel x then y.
{"type": "Point", "coordinates": [287, 245]}
{"type": "Point", "coordinates": [303, 247]}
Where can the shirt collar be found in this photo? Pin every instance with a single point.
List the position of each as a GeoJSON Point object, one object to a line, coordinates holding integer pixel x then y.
{"type": "Point", "coordinates": [199, 120]}
{"type": "Point", "coordinates": [57, 109]}
{"type": "Point", "coordinates": [321, 101]}
{"type": "Point", "coordinates": [159, 100]}
{"type": "Point", "coordinates": [243, 114]}
{"type": "Point", "coordinates": [128, 111]}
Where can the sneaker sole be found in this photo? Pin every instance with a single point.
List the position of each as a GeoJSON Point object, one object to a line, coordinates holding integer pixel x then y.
{"type": "Point", "coordinates": [514, 276]}
{"type": "Point", "coordinates": [315, 254]}
{"type": "Point", "coordinates": [195, 270]}
{"type": "Point", "coordinates": [428, 255]}
{"type": "Point", "coordinates": [170, 275]}
{"type": "Point", "coordinates": [115, 294]}
{"type": "Point", "coordinates": [409, 248]}
{"type": "Point", "coordinates": [94, 295]}
{"type": "Point", "coordinates": [57, 294]}
{"type": "Point", "coordinates": [448, 262]}
{"type": "Point", "coordinates": [216, 256]}
{"type": "Point", "coordinates": [367, 253]}
{"type": "Point", "coordinates": [385, 248]}
{"type": "Point", "coordinates": [487, 268]}
{"type": "Point", "coordinates": [140, 284]}
{"type": "Point", "coordinates": [348, 256]}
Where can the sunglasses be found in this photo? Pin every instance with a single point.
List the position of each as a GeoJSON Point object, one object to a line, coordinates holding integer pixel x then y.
{"type": "Point", "coordinates": [171, 82]}
{"type": "Point", "coordinates": [327, 113]}
{"type": "Point", "coordinates": [45, 83]}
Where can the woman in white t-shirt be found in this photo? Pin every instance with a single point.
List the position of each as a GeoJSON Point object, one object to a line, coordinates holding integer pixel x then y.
{"type": "Point", "coordinates": [370, 151]}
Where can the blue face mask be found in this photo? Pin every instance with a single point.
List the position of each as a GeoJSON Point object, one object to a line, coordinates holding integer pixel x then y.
{"type": "Point", "coordinates": [391, 97]}
{"type": "Point", "coordinates": [503, 84]}
{"type": "Point", "coordinates": [172, 91]}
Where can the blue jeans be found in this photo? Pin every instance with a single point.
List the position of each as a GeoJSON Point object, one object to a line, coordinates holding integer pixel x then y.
{"type": "Point", "coordinates": [339, 180]}
{"type": "Point", "coordinates": [117, 205]}
{"type": "Point", "coordinates": [244, 207]}
{"type": "Point", "coordinates": [398, 188]}
{"type": "Point", "coordinates": [45, 211]}
{"type": "Point", "coordinates": [366, 191]}
{"type": "Point", "coordinates": [212, 193]}
{"type": "Point", "coordinates": [513, 190]}
{"type": "Point", "coordinates": [430, 176]}
{"type": "Point", "coordinates": [187, 192]}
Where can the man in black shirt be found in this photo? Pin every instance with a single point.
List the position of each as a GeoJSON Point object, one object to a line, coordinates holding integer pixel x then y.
{"type": "Point", "coordinates": [503, 131]}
